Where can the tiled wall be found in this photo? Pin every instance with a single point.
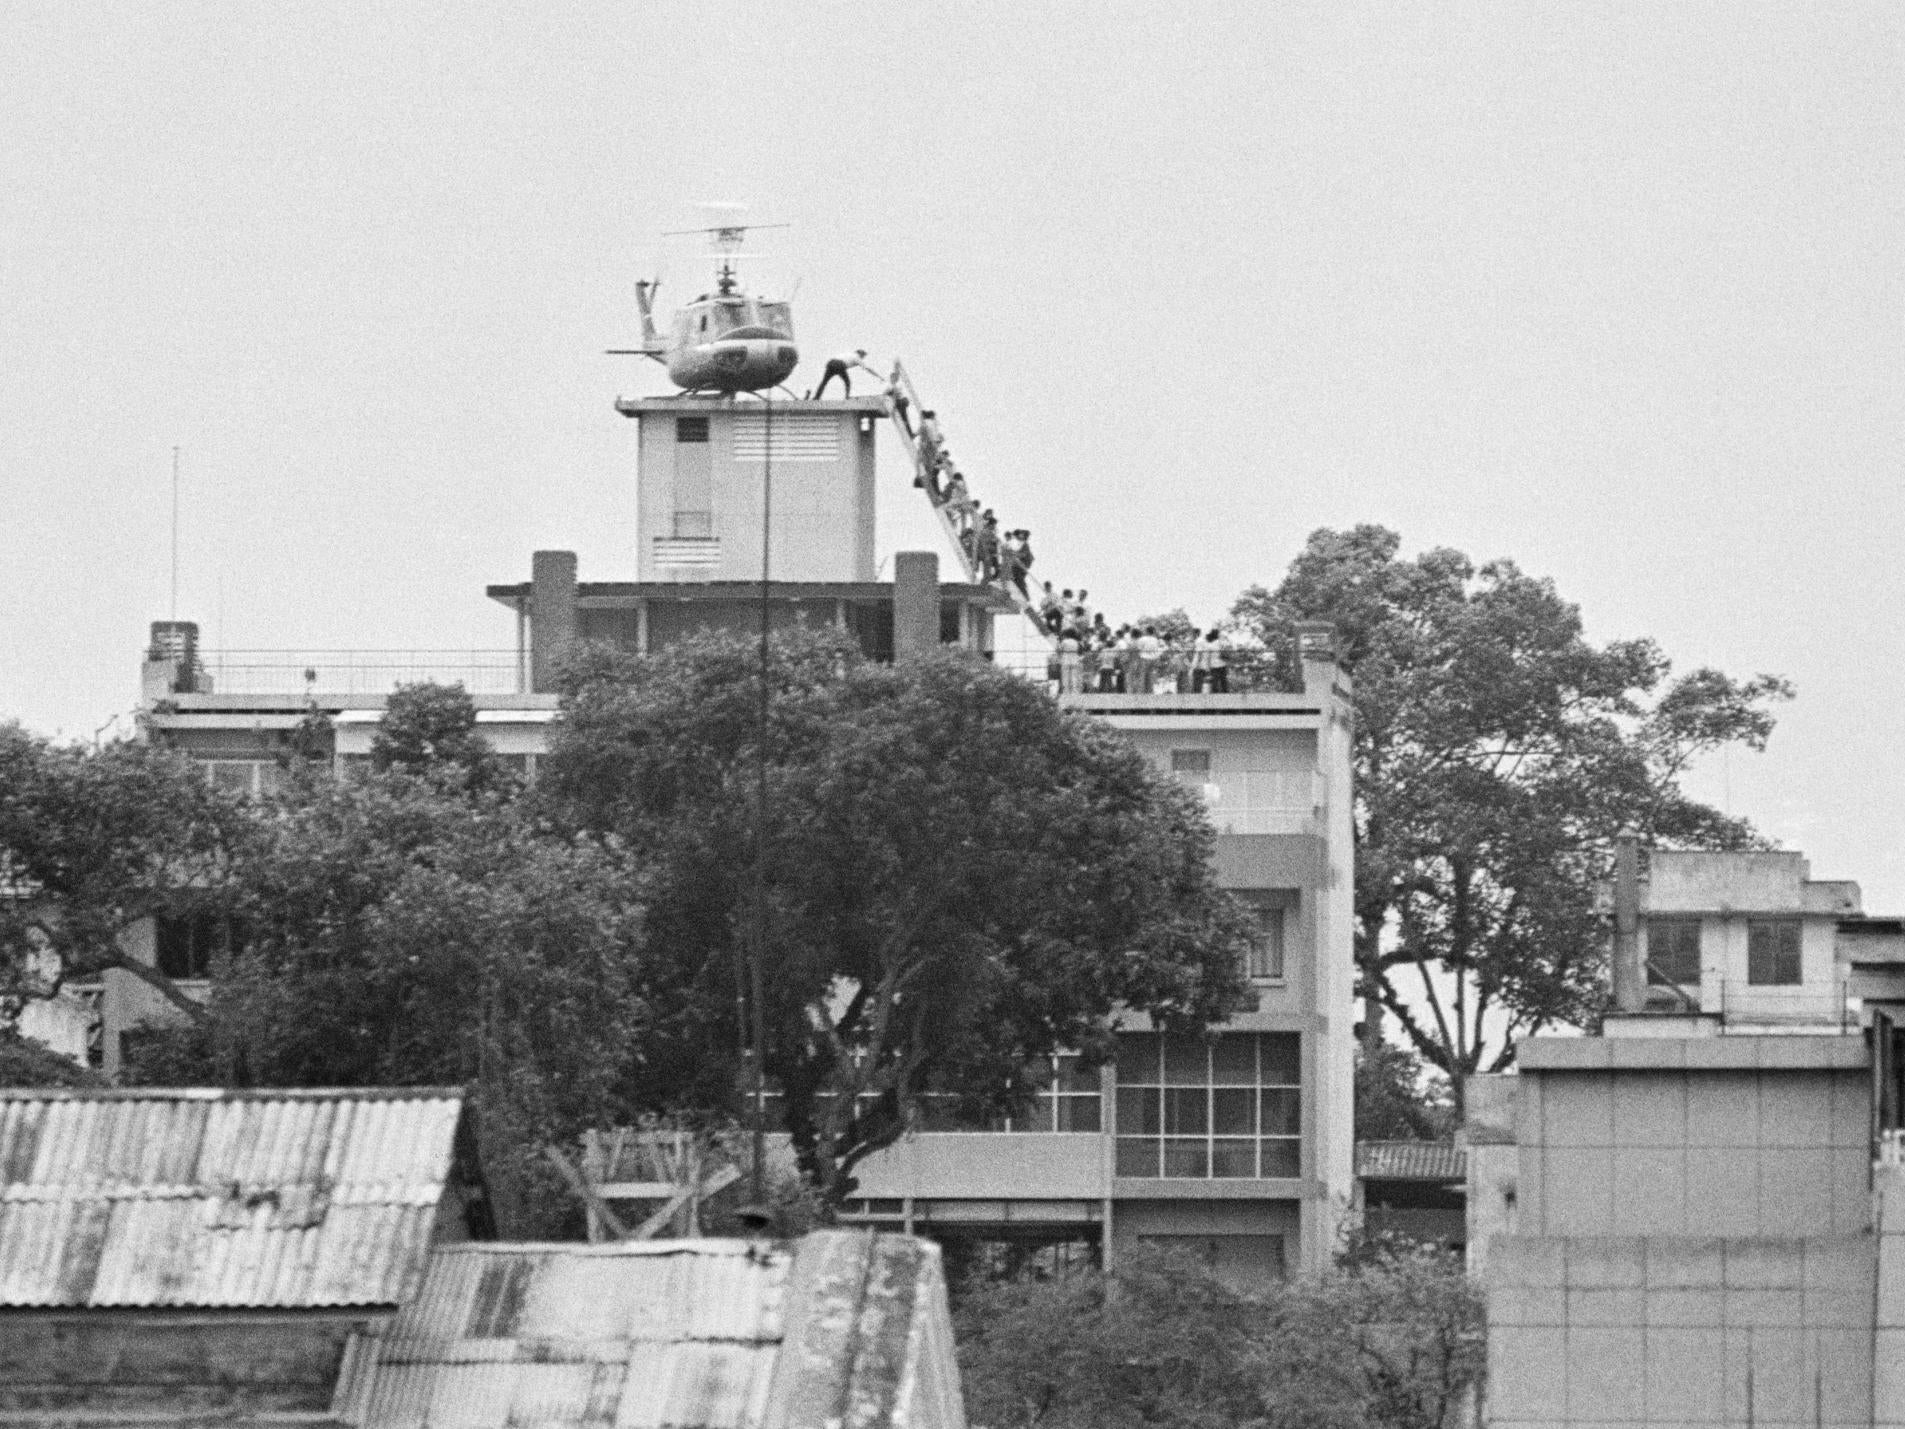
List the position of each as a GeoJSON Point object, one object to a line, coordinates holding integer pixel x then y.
{"type": "Point", "coordinates": [1624, 1331]}
{"type": "Point", "coordinates": [1734, 1152]}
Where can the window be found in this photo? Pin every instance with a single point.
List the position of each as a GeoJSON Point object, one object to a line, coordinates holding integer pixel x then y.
{"type": "Point", "coordinates": [1673, 952]}
{"type": "Point", "coordinates": [1272, 908]}
{"type": "Point", "coordinates": [187, 943]}
{"type": "Point", "coordinates": [1068, 1100]}
{"type": "Point", "coordinates": [1210, 1108]}
{"type": "Point", "coordinates": [691, 429]}
{"type": "Point", "coordinates": [1191, 768]}
{"type": "Point", "coordinates": [1772, 952]}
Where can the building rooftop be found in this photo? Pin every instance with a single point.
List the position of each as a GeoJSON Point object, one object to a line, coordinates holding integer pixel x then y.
{"type": "Point", "coordinates": [841, 1327]}
{"type": "Point", "coordinates": [1436, 1161]}
{"type": "Point", "coordinates": [207, 1198]}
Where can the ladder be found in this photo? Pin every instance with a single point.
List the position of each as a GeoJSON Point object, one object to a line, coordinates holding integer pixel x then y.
{"type": "Point", "coordinates": [904, 407]}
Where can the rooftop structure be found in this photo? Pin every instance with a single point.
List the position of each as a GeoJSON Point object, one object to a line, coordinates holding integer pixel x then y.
{"type": "Point", "coordinates": [211, 1252]}
{"type": "Point", "coordinates": [840, 1327]}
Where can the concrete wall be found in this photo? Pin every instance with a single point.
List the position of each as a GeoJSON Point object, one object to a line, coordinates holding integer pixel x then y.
{"type": "Point", "coordinates": [990, 1165]}
{"type": "Point", "coordinates": [823, 489]}
{"type": "Point", "coordinates": [1695, 1152]}
{"type": "Point", "coordinates": [1621, 1330]}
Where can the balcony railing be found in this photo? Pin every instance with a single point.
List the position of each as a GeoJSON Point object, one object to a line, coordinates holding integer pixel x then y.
{"type": "Point", "coordinates": [1247, 673]}
{"type": "Point", "coordinates": [356, 672]}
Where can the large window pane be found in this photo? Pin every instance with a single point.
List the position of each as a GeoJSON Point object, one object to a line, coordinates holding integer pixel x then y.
{"type": "Point", "coordinates": [1037, 1117]}
{"type": "Point", "coordinates": [1079, 1114]}
{"type": "Point", "coordinates": [1234, 1060]}
{"type": "Point", "coordinates": [1772, 951]}
{"type": "Point", "coordinates": [1235, 1160]}
{"type": "Point", "coordinates": [1138, 1113]}
{"type": "Point", "coordinates": [1138, 1156]}
{"type": "Point", "coordinates": [1282, 1062]}
{"type": "Point", "coordinates": [1282, 1112]}
{"type": "Point", "coordinates": [1282, 1157]}
{"type": "Point", "coordinates": [1186, 1062]}
{"type": "Point", "coordinates": [1138, 1059]}
{"type": "Point", "coordinates": [1070, 1079]}
{"type": "Point", "coordinates": [1673, 951]}
{"type": "Point", "coordinates": [1186, 1156]}
{"type": "Point", "coordinates": [1186, 1111]}
{"type": "Point", "coordinates": [1233, 1111]}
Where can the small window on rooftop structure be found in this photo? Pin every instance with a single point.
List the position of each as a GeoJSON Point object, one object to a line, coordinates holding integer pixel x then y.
{"type": "Point", "coordinates": [691, 429]}
{"type": "Point", "coordinates": [1673, 952]}
{"type": "Point", "coordinates": [1191, 767]}
{"type": "Point", "coordinates": [1772, 952]}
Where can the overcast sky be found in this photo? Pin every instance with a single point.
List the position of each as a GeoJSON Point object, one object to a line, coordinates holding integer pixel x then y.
{"type": "Point", "coordinates": [1613, 290]}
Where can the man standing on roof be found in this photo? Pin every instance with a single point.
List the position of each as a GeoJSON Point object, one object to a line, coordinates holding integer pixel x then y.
{"type": "Point", "coordinates": [842, 367]}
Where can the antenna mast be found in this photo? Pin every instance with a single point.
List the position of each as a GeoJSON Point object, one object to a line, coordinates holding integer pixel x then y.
{"type": "Point", "coordinates": [175, 534]}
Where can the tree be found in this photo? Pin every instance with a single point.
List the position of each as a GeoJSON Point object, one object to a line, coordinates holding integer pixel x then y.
{"type": "Point", "coordinates": [401, 933]}
{"type": "Point", "coordinates": [93, 841]}
{"type": "Point", "coordinates": [1397, 1343]}
{"type": "Point", "coordinates": [431, 728]}
{"type": "Point", "coordinates": [959, 879]}
{"type": "Point", "coordinates": [1497, 753]}
{"type": "Point", "coordinates": [1398, 1099]}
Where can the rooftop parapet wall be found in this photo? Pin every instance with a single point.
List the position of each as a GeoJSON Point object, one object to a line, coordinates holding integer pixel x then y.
{"type": "Point", "coordinates": [1742, 882]}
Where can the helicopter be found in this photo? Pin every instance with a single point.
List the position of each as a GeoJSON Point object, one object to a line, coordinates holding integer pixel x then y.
{"type": "Point", "coordinates": [724, 341]}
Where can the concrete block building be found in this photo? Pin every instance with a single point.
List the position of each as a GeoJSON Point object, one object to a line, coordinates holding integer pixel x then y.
{"type": "Point", "coordinates": [1700, 1222]}
{"type": "Point", "coordinates": [1237, 1146]}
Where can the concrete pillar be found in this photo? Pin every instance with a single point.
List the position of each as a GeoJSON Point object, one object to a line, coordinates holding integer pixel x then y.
{"type": "Point", "coordinates": [1316, 652]}
{"type": "Point", "coordinates": [552, 624]}
{"type": "Point", "coordinates": [915, 604]}
{"type": "Point", "coordinates": [1888, 1334]}
{"type": "Point", "coordinates": [1630, 985]}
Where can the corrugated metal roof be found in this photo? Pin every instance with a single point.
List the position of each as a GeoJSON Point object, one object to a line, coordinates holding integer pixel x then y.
{"type": "Point", "coordinates": [702, 1334]}
{"type": "Point", "coordinates": [1411, 1161]}
{"type": "Point", "coordinates": [214, 1198]}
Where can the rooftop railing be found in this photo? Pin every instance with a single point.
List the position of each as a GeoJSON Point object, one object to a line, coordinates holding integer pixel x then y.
{"type": "Point", "coordinates": [357, 672]}
{"type": "Point", "coordinates": [1116, 672]}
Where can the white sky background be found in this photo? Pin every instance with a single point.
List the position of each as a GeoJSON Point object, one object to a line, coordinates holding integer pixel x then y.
{"type": "Point", "coordinates": [1614, 290]}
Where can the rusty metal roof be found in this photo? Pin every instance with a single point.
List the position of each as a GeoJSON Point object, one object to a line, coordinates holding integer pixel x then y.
{"type": "Point", "coordinates": [214, 1198]}
{"type": "Point", "coordinates": [1411, 1161]}
{"type": "Point", "coordinates": [842, 1327]}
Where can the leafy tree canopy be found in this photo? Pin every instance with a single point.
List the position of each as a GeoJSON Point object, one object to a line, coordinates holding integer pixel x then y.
{"type": "Point", "coordinates": [399, 933]}
{"type": "Point", "coordinates": [1396, 1343]}
{"type": "Point", "coordinates": [430, 729]}
{"type": "Point", "coordinates": [1497, 753]}
{"type": "Point", "coordinates": [93, 841]}
{"type": "Point", "coordinates": [959, 878]}
{"type": "Point", "coordinates": [1398, 1099]}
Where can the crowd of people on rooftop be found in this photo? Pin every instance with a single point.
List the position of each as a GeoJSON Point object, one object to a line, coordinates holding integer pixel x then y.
{"type": "Point", "coordinates": [1142, 659]}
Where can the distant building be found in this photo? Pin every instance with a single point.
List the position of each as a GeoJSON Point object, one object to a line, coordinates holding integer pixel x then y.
{"type": "Point", "coordinates": [168, 1256]}
{"type": "Point", "coordinates": [1416, 1190]}
{"type": "Point", "coordinates": [1700, 1217]}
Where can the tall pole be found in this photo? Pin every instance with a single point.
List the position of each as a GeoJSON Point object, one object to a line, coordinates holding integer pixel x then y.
{"type": "Point", "coordinates": [175, 534]}
{"type": "Point", "coordinates": [758, 951]}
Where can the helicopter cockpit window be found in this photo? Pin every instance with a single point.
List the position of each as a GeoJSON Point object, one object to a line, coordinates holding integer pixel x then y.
{"type": "Point", "coordinates": [779, 317]}
{"type": "Point", "coordinates": [729, 316]}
